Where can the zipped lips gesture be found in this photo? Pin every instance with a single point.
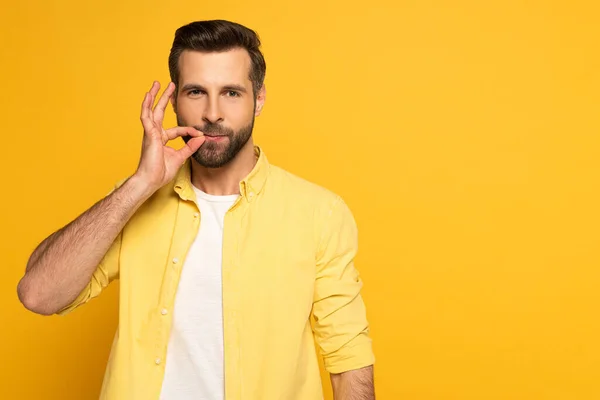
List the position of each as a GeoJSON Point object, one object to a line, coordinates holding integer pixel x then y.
{"type": "Point", "coordinates": [159, 163]}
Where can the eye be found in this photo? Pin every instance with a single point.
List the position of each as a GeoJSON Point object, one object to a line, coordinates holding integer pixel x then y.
{"type": "Point", "coordinates": [232, 93]}
{"type": "Point", "coordinates": [195, 92]}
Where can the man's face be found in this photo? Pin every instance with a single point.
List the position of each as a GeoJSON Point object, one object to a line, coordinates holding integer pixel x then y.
{"type": "Point", "coordinates": [215, 96]}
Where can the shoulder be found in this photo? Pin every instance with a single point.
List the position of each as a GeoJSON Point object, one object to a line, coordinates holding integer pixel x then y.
{"type": "Point", "coordinates": [302, 190]}
{"type": "Point", "coordinates": [327, 209]}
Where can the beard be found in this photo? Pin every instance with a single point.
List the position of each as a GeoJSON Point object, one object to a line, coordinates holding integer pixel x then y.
{"type": "Point", "coordinates": [217, 154]}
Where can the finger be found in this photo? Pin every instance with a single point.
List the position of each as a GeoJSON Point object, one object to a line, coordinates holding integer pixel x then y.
{"type": "Point", "coordinates": [154, 89]}
{"type": "Point", "coordinates": [159, 110]}
{"type": "Point", "coordinates": [145, 115]}
{"type": "Point", "coordinates": [153, 92]}
{"type": "Point", "coordinates": [182, 131]}
{"type": "Point", "coordinates": [190, 147]}
{"type": "Point", "coordinates": [144, 112]}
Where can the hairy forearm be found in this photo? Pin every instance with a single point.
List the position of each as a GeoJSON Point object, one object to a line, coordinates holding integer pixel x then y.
{"type": "Point", "coordinates": [354, 385]}
{"type": "Point", "coordinates": [63, 264]}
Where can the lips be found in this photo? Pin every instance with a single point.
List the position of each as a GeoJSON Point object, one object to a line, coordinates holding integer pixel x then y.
{"type": "Point", "coordinates": [216, 138]}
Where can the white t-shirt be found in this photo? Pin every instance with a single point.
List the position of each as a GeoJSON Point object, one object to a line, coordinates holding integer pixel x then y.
{"type": "Point", "coordinates": [194, 366]}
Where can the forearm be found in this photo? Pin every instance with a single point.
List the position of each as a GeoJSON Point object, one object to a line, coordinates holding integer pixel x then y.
{"type": "Point", "coordinates": [63, 264]}
{"type": "Point", "coordinates": [354, 385]}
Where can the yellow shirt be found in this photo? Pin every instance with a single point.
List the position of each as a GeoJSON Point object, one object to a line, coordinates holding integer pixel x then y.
{"type": "Point", "coordinates": [288, 280]}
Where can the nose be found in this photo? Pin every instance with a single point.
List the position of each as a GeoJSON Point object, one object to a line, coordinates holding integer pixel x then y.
{"type": "Point", "coordinates": [212, 113]}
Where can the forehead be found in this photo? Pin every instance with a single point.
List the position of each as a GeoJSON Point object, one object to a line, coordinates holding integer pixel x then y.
{"type": "Point", "coordinates": [215, 68]}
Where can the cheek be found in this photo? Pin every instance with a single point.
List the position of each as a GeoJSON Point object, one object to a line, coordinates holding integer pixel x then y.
{"type": "Point", "coordinates": [189, 109]}
{"type": "Point", "coordinates": [239, 114]}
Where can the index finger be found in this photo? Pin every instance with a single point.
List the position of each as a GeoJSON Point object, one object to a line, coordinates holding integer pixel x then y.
{"type": "Point", "coordinates": [182, 131]}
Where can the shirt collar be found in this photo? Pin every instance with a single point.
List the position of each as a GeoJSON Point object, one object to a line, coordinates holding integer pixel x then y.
{"type": "Point", "coordinates": [250, 186]}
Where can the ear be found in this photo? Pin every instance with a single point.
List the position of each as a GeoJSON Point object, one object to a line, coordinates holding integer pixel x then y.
{"type": "Point", "coordinates": [260, 100]}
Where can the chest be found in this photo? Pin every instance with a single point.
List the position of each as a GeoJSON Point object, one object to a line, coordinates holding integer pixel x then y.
{"type": "Point", "coordinates": [261, 258]}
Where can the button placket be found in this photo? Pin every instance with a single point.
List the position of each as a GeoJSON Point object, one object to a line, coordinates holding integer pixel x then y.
{"type": "Point", "coordinates": [180, 242]}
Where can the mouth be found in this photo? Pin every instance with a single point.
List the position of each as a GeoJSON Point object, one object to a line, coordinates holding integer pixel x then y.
{"type": "Point", "coordinates": [215, 138]}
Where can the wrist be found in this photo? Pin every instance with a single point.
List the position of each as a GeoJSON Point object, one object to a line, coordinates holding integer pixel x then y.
{"type": "Point", "coordinates": [140, 189]}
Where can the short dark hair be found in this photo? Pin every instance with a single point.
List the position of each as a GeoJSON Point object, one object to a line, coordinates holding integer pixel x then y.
{"type": "Point", "coordinates": [217, 36]}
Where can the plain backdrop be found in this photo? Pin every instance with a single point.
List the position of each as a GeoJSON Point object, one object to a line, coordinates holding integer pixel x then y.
{"type": "Point", "coordinates": [463, 134]}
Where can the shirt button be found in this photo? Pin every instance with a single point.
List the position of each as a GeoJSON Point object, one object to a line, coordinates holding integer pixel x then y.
{"type": "Point", "coordinates": [175, 260]}
{"type": "Point", "coordinates": [196, 215]}
{"type": "Point", "coordinates": [157, 361]}
{"type": "Point", "coordinates": [164, 311]}
{"type": "Point", "coordinates": [251, 194]}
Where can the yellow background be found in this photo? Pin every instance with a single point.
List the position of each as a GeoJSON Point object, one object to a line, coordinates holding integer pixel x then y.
{"type": "Point", "coordinates": [463, 134]}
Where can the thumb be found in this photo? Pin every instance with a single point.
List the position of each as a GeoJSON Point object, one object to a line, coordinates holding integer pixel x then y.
{"type": "Point", "coordinates": [190, 147]}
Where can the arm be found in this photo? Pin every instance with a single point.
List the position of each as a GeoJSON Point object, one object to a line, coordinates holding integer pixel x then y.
{"type": "Point", "coordinates": [340, 324]}
{"type": "Point", "coordinates": [354, 385]}
{"type": "Point", "coordinates": [63, 264]}
{"type": "Point", "coordinates": [61, 267]}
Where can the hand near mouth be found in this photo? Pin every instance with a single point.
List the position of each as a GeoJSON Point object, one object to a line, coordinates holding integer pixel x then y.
{"type": "Point", "coordinates": [159, 163]}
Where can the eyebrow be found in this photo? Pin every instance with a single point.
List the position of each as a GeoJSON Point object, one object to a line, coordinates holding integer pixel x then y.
{"type": "Point", "coordinates": [191, 86]}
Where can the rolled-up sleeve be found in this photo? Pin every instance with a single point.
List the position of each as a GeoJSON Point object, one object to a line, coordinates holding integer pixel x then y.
{"type": "Point", "coordinates": [340, 325]}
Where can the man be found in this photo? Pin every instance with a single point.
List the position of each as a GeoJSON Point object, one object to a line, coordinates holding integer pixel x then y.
{"type": "Point", "coordinates": [229, 266]}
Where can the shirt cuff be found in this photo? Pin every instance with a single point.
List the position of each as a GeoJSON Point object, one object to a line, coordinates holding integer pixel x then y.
{"type": "Point", "coordinates": [350, 357]}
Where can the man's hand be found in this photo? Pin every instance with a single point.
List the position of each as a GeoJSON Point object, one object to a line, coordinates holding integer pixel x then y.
{"type": "Point", "coordinates": [354, 385]}
{"type": "Point", "coordinates": [159, 163]}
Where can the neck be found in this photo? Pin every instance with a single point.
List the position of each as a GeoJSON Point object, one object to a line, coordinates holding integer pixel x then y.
{"type": "Point", "coordinates": [225, 180]}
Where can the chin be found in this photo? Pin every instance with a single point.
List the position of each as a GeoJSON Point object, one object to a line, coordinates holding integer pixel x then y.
{"type": "Point", "coordinates": [213, 158]}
